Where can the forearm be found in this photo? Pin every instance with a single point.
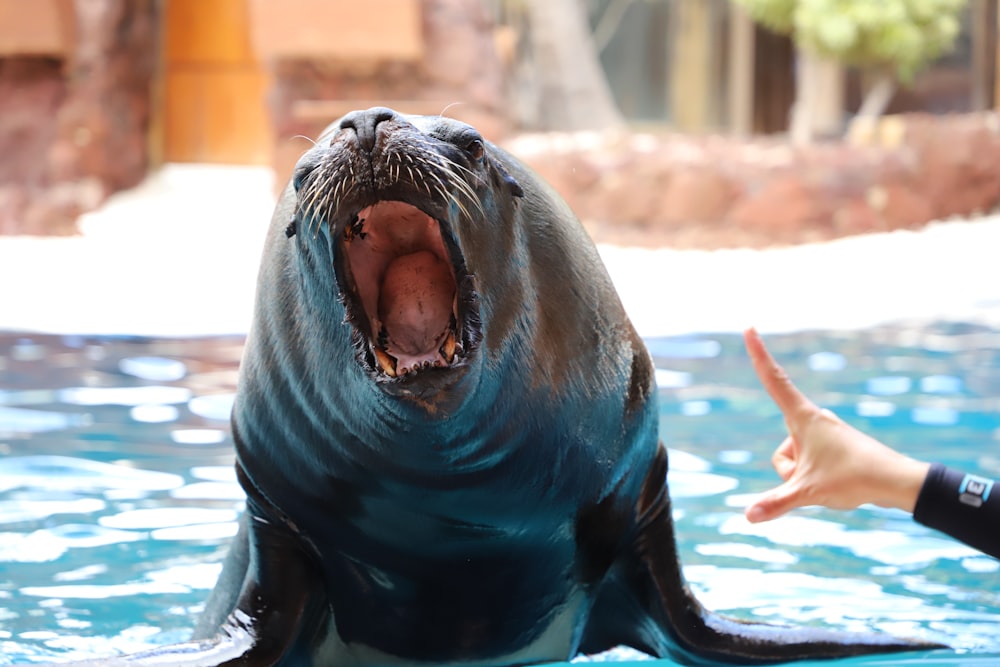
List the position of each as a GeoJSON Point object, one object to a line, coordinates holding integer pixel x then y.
{"type": "Point", "coordinates": [894, 480]}
{"type": "Point", "coordinates": [966, 507]}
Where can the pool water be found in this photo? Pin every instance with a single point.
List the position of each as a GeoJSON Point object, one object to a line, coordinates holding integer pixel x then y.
{"type": "Point", "coordinates": [117, 496]}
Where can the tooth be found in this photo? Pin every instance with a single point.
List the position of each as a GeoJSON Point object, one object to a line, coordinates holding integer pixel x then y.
{"type": "Point", "coordinates": [447, 348]}
{"type": "Point", "coordinates": [386, 362]}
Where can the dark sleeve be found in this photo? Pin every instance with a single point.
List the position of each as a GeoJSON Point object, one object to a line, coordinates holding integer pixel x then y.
{"type": "Point", "coordinates": [967, 507]}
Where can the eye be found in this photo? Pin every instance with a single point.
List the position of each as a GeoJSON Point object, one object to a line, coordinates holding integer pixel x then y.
{"type": "Point", "coordinates": [475, 149]}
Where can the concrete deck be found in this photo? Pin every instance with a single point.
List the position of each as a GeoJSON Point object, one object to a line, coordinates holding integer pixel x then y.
{"type": "Point", "coordinates": [178, 256]}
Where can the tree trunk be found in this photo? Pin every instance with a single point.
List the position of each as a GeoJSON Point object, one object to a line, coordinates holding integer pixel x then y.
{"type": "Point", "coordinates": [877, 97]}
{"type": "Point", "coordinates": [571, 89]}
{"type": "Point", "coordinates": [819, 99]}
{"type": "Point", "coordinates": [866, 127]}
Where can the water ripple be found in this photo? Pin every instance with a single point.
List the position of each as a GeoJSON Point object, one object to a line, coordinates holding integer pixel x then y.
{"type": "Point", "coordinates": [889, 385]}
{"type": "Point", "coordinates": [215, 406]}
{"type": "Point", "coordinates": [22, 510]}
{"type": "Point", "coordinates": [154, 414]}
{"type": "Point", "coordinates": [29, 420]}
{"type": "Point", "coordinates": [198, 436]}
{"type": "Point", "coordinates": [941, 384]}
{"type": "Point", "coordinates": [827, 362]}
{"type": "Point", "coordinates": [890, 547]}
{"type": "Point", "coordinates": [156, 369]}
{"type": "Point", "coordinates": [209, 491]}
{"type": "Point", "coordinates": [42, 546]}
{"type": "Point", "coordinates": [684, 348]}
{"type": "Point", "coordinates": [165, 517]}
{"type": "Point", "coordinates": [198, 532]}
{"type": "Point", "coordinates": [215, 473]}
{"type": "Point", "coordinates": [699, 484]}
{"type": "Point", "coordinates": [126, 396]}
{"type": "Point", "coordinates": [668, 379]}
{"type": "Point", "coordinates": [66, 473]}
{"type": "Point", "coordinates": [742, 550]}
{"type": "Point", "coordinates": [99, 592]}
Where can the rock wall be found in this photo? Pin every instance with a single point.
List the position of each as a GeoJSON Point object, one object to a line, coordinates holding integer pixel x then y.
{"type": "Point", "coordinates": [711, 192]}
{"type": "Point", "coordinates": [460, 73]}
{"type": "Point", "coordinates": [73, 131]}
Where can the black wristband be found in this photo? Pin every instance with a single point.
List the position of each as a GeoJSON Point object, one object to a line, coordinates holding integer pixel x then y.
{"type": "Point", "coordinates": [966, 507]}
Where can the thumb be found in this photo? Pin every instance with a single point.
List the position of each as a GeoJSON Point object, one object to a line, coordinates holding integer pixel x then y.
{"type": "Point", "coordinates": [785, 458]}
{"type": "Point", "coordinates": [774, 503]}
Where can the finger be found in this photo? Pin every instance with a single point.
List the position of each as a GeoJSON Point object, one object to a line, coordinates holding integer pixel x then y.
{"type": "Point", "coordinates": [785, 458]}
{"type": "Point", "coordinates": [776, 502]}
{"type": "Point", "coordinates": [773, 377]}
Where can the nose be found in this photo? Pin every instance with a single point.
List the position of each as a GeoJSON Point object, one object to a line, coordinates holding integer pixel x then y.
{"type": "Point", "coordinates": [365, 123]}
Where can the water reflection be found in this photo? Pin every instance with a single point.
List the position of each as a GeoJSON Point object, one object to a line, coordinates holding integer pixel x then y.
{"type": "Point", "coordinates": [157, 369]}
{"type": "Point", "coordinates": [65, 473]}
{"type": "Point", "coordinates": [111, 533]}
{"type": "Point", "coordinates": [118, 496]}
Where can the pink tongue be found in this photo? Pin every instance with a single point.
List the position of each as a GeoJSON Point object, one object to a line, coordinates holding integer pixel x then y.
{"type": "Point", "coordinates": [415, 302]}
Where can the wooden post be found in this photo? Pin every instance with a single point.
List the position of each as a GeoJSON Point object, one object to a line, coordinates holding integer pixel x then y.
{"type": "Point", "coordinates": [985, 55]}
{"type": "Point", "coordinates": [996, 49]}
{"type": "Point", "coordinates": [741, 68]}
{"type": "Point", "coordinates": [691, 64]}
{"type": "Point", "coordinates": [985, 28]}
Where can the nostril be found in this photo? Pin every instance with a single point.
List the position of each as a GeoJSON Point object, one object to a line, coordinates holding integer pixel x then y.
{"type": "Point", "coordinates": [365, 123]}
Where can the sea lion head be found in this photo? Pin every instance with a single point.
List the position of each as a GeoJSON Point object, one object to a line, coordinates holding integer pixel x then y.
{"type": "Point", "coordinates": [399, 204]}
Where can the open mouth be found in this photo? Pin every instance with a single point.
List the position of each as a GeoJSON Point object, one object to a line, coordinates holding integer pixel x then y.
{"type": "Point", "coordinates": [403, 288]}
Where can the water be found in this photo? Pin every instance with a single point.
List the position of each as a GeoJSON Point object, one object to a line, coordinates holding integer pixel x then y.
{"type": "Point", "coordinates": [117, 496]}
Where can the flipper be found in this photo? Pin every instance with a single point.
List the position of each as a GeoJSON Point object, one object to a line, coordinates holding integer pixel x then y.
{"type": "Point", "coordinates": [226, 592]}
{"type": "Point", "coordinates": [644, 603]}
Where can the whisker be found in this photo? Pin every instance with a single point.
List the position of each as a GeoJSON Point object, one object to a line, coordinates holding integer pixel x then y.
{"type": "Point", "coordinates": [302, 136]}
{"type": "Point", "coordinates": [445, 110]}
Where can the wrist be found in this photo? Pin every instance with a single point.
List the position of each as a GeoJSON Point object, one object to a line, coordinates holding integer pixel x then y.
{"type": "Point", "coordinates": [903, 484]}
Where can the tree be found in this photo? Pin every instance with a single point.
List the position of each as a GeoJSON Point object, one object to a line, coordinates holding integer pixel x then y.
{"type": "Point", "coordinates": [562, 85]}
{"type": "Point", "coordinates": [889, 39]}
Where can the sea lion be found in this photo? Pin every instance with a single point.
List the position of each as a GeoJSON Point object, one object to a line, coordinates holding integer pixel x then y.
{"type": "Point", "coordinates": [446, 427]}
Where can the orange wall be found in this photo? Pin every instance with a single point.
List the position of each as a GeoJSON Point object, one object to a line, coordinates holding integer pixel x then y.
{"type": "Point", "coordinates": [214, 88]}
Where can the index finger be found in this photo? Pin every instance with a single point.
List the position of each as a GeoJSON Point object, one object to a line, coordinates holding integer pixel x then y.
{"type": "Point", "coordinates": [774, 378]}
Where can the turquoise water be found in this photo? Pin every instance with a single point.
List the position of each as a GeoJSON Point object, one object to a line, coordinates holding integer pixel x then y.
{"type": "Point", "coordinates": [117, 495]}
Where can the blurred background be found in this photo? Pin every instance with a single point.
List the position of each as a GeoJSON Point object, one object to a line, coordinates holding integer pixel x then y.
{"type": "Point", "coordinates": [710, 123]}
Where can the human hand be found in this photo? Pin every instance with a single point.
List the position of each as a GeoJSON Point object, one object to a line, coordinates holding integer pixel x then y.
{"type": "Point", "coordinates": [824, 461]}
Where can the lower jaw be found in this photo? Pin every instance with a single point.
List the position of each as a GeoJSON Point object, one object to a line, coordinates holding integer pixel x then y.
{"type": "Point", "coordinates": [441, 354]}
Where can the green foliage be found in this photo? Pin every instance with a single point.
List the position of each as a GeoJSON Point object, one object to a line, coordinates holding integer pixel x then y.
{"type": "Point", "coordinates": [902, 34]}
{"type": "Point", "coordinates": [778, 15]}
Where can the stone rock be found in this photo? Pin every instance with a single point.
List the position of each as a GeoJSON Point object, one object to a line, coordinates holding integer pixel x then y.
{"type": "Point", "coordinates": [697, 194]}
{"type": "Point", "coordinates": [31, 91]}
{"type": "Point", "coordinates": [899, 207]}
{"type": "Point", "coordinates": [855, 216]}
{"type": "Point", "coordinates": [722, 192]}
{"type": "Point", "coordinates": [959, 161]}
{"type": "Point", "coordinates": [74, 131]}
{"type": "Point", "coordinates": [780, 208]}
